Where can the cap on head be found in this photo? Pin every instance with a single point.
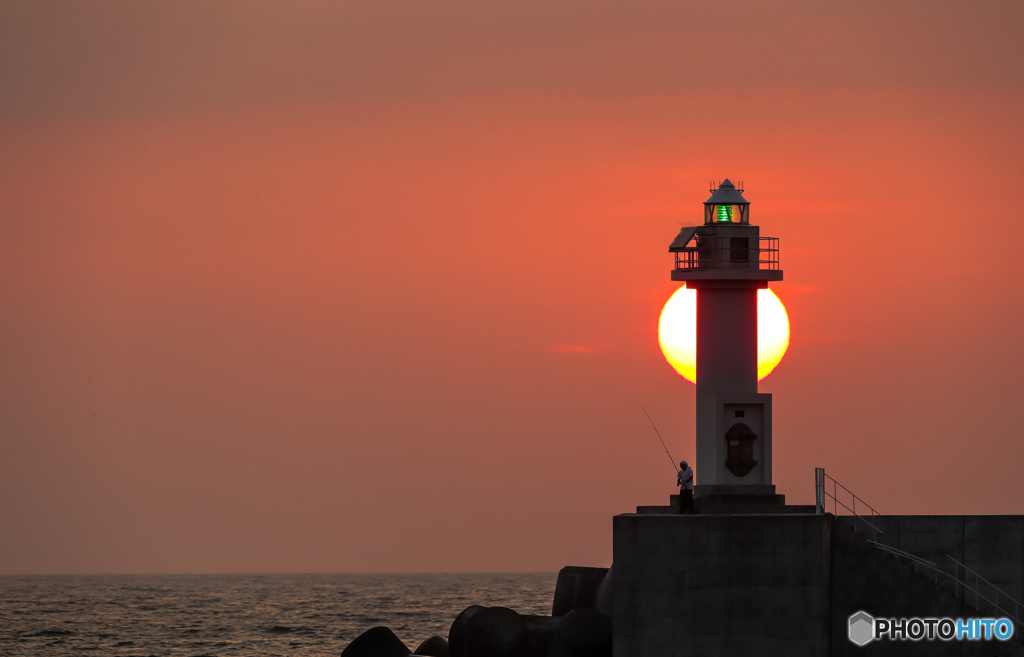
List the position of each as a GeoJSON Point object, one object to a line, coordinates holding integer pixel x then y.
{"type": "Point", "coordinates": [682, 464]}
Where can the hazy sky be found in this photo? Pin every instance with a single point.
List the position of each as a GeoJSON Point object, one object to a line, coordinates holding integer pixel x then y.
{"type": "Point", "coordinates": [302, 286]}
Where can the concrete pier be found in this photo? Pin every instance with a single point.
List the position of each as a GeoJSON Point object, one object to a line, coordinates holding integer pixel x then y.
{"type": "Point", "coordinates": [785, 584]}
{"type": "Point", "coordinates": [721, 585]}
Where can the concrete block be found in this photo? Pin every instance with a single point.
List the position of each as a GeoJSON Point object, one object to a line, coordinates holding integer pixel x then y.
{"type": "Point", "coordinates": [603, 599]}
{"type": "Point", "coordinates": [435, 646]}
{"type": "Point", "coordinates": [541, 631]}
{"type": "Point", "coordinates": [376, 642]}
{"type": "Point", "coordinates": [576, 588]}
{"type": "Point", "coordinates": [496, 632]}
{"type": "Point", "coordinates": [583, 633]}
{"type": "Point", "coordinates": [459, 628]}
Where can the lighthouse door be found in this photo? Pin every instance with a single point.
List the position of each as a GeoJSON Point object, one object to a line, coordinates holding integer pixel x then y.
{"type": "Point", "coordinates": [744, 442]}
{"type": "Point", "coordinates": [739, 442]}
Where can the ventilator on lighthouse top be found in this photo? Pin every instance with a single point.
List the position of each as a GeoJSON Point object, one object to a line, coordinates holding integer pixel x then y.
{"type": "Point", "coordinates": [726, 261]}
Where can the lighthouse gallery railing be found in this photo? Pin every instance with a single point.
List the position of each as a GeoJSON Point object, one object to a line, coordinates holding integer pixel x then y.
{"type": "Point", "coordinates": [721, 253]}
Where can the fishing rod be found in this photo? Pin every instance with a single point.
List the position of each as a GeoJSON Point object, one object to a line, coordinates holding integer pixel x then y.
{"type": "Point", "coordinates": [660, 438]}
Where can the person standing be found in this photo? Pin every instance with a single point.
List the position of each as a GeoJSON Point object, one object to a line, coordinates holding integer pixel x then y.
{"type": "Point", "coordinates": [685, 481]}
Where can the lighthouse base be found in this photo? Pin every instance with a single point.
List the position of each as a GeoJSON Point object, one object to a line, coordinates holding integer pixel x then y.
{"type": "Point", "coordinates": [734, 443]}
{"type": "Point", "coordinates": [746, 495]}
{"type": "Point", "coordinates": [727, 500]}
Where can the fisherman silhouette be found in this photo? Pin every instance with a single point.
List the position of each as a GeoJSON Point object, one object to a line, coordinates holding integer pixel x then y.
{"type": "Point", "coordinates": [684, 478]}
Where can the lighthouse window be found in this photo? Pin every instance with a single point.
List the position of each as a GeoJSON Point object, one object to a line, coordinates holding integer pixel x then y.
{"type": "Point", "coordinates": [739, 413]}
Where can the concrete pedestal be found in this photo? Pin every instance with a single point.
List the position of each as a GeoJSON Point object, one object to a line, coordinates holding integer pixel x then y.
{"type": "Point", "coordinates": [721, 585]}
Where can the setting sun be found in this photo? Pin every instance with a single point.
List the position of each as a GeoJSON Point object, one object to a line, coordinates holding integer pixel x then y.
{"type": "Point", "coordinates": [677, 332]}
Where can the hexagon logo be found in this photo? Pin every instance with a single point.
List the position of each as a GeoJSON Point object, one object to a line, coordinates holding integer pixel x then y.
{"type": "Point", "coordinates": [862, 628]}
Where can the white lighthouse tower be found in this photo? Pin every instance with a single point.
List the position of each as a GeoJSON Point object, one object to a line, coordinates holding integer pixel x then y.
{"type": "Point", "coordinates": [727, 261]}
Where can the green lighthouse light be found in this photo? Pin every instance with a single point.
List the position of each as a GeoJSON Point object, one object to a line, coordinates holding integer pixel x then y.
{"type": "Point", "coordinates": [726, 205]}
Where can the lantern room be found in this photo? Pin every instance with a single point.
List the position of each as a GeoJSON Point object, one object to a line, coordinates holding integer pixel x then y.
{"type": "Point", "coordinates": [726, 241]}
{"type": "Point", "coordinates": [726, 205]}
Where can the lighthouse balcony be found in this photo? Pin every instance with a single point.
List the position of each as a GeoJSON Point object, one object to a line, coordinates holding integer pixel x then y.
{"type": "Point", "coordinates": [729, 253]}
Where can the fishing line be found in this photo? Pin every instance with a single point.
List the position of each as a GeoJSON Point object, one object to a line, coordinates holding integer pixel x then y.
{"type": "Point", "coordinates": [660, 438]}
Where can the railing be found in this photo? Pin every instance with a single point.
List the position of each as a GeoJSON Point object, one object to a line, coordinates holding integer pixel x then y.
{"type": "Point", "coordinates": [769, 246]}
{"type": "Point", "coordinates": [1001, 601]}
{"type": "Point", "coordinates": [1000, 596]}
{"type": "Point", "coordinates": [821, 497]}
{"type": "Point", "coordinates": [720, 253]}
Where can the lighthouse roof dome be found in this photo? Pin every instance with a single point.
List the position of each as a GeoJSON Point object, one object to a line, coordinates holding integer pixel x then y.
{"type": "Point", "coordinates": [727, 194]}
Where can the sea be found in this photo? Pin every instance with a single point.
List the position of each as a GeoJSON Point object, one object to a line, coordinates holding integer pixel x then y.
{"type": "Point", "coordinates": [216, 615]}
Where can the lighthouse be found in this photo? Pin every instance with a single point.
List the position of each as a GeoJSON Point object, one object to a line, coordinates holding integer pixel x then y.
{"type": "Point", "coordinates": [748, 574]}
{"type": "Point", "coordinates": [726, 260]}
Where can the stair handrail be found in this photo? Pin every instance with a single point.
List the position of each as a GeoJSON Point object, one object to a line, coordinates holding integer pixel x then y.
{"type": "Point", "coordinates": [913, 557]}
{"type": "Point", "coordinates": [960, 585]}
{"type": "Point", "coordinates": [821, 500]}
{"type": "Point", "coordinates": [957, 582]}
{"type": "Point", "coordinates": [1017, 605]}
{"type": "Point", "coordinates": [821, 496]}
{"type": "Point", "coordinates": [924, 562]}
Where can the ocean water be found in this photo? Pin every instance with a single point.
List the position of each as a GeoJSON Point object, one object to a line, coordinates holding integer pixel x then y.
{"type": "Point", "coordinates": [244, 614]}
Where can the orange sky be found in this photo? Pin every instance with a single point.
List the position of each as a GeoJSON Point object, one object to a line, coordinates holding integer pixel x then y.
{"type": "Point", "coordinates": [375, 286]}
